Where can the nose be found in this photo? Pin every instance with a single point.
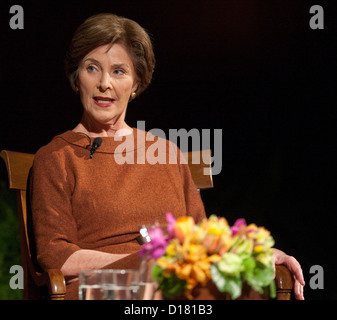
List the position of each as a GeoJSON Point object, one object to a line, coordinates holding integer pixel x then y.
{"type": "Point", "coordinates": [105, 82]}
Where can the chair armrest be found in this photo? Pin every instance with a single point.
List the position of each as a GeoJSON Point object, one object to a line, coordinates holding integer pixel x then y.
{"type": "Point", "coordinates": [54, 280]}
{"type": "Point", "coordinates": [56, 284]}
{"type": "Point", "coordinates": [284, 283]}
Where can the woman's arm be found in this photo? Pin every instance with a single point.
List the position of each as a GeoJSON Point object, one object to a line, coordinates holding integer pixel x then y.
{"type": "Point", "coordinates": [88, 259]}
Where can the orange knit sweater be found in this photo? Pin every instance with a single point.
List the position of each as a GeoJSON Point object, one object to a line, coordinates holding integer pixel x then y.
{"type": "Point", "coordinates": [81, 203]}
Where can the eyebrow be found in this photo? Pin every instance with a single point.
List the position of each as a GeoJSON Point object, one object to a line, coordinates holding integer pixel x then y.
{"type": "Point", "coordinates": [121, 65]}
{"type": "Point", "coordinates": [91, 60]}
{"type": "Point", "coordinates": [116, 65]}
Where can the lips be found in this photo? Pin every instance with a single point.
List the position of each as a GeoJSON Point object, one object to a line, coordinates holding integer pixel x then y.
{"type": "Point", "coordinates": [103, 102]}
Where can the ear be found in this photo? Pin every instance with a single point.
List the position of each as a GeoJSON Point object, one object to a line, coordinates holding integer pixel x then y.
{"type": "Point", "coordinates": [135, 85]}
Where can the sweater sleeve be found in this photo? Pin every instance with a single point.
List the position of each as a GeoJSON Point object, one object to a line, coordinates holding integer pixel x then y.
{"type": "Point", "coordinates": [193, 201]}
{"type": "Point", "coordinates": [54, 226]}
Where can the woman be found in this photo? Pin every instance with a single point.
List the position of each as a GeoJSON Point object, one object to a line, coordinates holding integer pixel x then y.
{"type": "Point", "coordinates": [87, 206]}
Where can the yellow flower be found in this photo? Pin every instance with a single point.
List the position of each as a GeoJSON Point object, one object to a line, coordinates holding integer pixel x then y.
{"type": "Point", "coordinates": [193, 252]}
{"type": "Point", "coordinates": [262, 234]}
{"type": "Point", "coordinates": [166, 263]}
{"type": "Point", "coordinates": [184, 271]}
{"type": "Point", "coordinates": [214, 233]}
{"type": "Point", "coordinates": [242, 245]}
{"type": "Point", "coordinates": [258, 248]}
{"type": "Point", "coordinates": [258, 233]}
{"type": "Point", "coordinates": [200, 271]}
{"type": "Point", "coordinates": [193, 266]}
{"type": "Point", "coordinates": [265, 257]}
{"type": "Point", "coordinates": [184, 226]}
{"type": "Point", "coordinates": [174, 248]}
{"type": "Point", "coordinates": [215, 225]}
{"type": "Point", "coordinates": [195, 272]}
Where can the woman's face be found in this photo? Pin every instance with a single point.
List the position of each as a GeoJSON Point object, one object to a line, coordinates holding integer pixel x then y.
{"type": "Point", "coordinates": [106, 80]}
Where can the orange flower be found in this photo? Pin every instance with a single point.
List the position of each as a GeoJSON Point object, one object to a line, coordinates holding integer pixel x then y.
{"type": "Point", "coordinates": [190, 254]}
{"type": "Point", "coordinates": [184, 227]}
{"type": "Point", "coordinates": [195, 272]}
{"type": "Point", "coordinates": [193, 265]}
{"type": "Point", "coordinates": [215, 235]}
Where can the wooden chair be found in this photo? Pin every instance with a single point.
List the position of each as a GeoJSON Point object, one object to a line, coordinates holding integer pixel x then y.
{"type": "Point", "coordinates": [38, 284]}
{"type": "Point", "coordinates": [50, 283]}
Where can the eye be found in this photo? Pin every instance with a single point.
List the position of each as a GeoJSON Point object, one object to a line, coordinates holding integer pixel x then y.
{"type": "Point", "coordinates": [91, 68]}
{"type": "Point", "coordinates": [119, 72]}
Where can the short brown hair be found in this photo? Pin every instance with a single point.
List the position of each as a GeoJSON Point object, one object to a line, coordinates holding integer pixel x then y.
{"type": "Point", "coordinates": [106, 28]}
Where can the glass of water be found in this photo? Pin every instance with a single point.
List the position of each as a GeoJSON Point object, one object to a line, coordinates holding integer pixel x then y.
{"type": "Point", "coordinates": [148, 286]}
{"type": "Point", "coordinates": [90, 285]}
{"type": "Point", "coordinates": [120, 284]}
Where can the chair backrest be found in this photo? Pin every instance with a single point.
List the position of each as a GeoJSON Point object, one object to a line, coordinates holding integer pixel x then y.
{"type": "Point", "coordinates": [38, 283]}
{"type": "Point", "coordinates": [200, 164]}
{"type": "Point", "coordinates": [18, 165]}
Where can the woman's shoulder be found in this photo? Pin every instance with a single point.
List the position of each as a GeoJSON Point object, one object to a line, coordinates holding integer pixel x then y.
{"type": "Point", "coordinates": [56, 147]}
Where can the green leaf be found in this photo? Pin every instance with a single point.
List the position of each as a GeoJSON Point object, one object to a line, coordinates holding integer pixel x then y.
{"type": "Point", "coordinates": [171, 286]}
{"type": "Point", "coordinates": [218, 277]}
{"type": "Point", "coordinates": [233, 286]}
{"type": "Point", "coordinates": [261, 277]}
{"type": "Point", "coordinates": [229, 284]}
{"type": "Point", "coordinates": [248, 264]}
{"type": "Point", "coordinates": [157, 273]}
{"type": "Point", "coordinates": [272, 289]}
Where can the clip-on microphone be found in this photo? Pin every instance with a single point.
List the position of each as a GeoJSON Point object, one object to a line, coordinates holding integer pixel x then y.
{"type": "Point", "coordinates": [96, 144]}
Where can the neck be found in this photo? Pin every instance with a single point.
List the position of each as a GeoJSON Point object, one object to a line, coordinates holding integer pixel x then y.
{"type": "Point", "coordinates": [101, 130]}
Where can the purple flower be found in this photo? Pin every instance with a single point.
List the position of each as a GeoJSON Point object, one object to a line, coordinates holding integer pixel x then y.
{"type": "Point", "coordinates": [236, 227]}
{"type": "Point", "coordinates": [157, 246]}
{"type": "Point", "coordinates": [171, 222]}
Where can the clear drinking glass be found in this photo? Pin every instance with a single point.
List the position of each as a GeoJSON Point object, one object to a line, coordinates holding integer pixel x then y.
{"type": "Point", "coordinates": [90, 285]}
{"type": "Point", "coordinates": [148, 287]}
{"type": "Point", "coordinates": [120, 284]}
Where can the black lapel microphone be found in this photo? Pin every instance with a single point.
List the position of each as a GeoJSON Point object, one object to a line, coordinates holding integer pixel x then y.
{"type": "Point", "coordinates": [95, 145]}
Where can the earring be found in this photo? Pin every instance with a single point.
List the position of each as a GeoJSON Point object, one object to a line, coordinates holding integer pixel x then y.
{"type": "Point", "coordinates": [77, 90]}
{"type": "Point", "coordinates": [133, 95]}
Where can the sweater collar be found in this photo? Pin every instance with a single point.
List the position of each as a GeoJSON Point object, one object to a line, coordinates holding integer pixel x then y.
{"type": "Point", "coordinates": [128, 143]}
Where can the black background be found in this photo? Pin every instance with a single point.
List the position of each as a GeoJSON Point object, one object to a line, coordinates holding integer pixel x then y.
{"type": "Point", "coordinates": [254, 69]}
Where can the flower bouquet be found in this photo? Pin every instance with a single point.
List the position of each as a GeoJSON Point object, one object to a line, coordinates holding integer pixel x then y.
{"type": "Point", "coordinates": [189, 255]}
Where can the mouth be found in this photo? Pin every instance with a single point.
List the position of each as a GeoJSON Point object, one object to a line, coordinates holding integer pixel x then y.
{"type": "Point", "coordinates": [103, 102]}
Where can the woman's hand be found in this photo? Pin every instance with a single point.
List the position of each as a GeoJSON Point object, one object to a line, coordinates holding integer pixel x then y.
{"type": "Point", "coordinates": [279, 257]}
